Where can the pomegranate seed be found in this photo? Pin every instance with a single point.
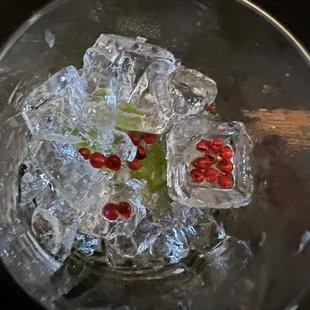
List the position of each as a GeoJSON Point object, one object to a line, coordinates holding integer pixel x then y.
{"type": "Point", "coordinates": [97, 160]}
{"type": "Point", "coordinates": [149, 138]}
{"type": "Point", "coordinates": [210, 107]}
{"type": "Point", "coordinates": [202, 163]}
{"type": "Point", "coordinates": [111, 211]}
{"type": "Point", "coordinates": [203, 145]}
{"type": "Point", "coordinates": [125, 209]}
{"type": "Point", "coordinates": [85, 152]}
{"type": "Point", "coordinates": [226, 153]}
{"type": "Point", "coordinates": [225, 166]}
{"type": "Point", "coordinates": [225, 181]}
{"type": "Point", "coordinates": [216, 145]}
{"type": "Point", "coordinates": [134, 165]}
{"type": "Point", "coordinates": [141, 152]}
{"type": "Point", "coordinates": [197, 176]}
{"type": "Point", "coordinates": [211, 155]}
{"type": "Point", "coordinates": [211, 175]}
{"type": "Point", "coordinates": [113, 162]}
{"type": "Point", "coordinates": [134, 138]}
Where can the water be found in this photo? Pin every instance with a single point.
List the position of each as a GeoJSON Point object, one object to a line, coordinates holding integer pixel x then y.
{"type": "Point", "coordinates": [125, 85]}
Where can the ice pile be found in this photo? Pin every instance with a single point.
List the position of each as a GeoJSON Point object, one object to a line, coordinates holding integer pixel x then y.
{"type": "Point", "coordinates": [125, 85]}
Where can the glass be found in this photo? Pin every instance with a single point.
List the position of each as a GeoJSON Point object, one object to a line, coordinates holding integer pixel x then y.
{"type": "Point", "coordinates": [263, 77]}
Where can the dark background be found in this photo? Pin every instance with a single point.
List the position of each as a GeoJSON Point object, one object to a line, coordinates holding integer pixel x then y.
{"type": "Point", "coordinates": [295, 15]}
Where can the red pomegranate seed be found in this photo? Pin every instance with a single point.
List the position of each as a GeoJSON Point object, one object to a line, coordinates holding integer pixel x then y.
{"type": "Point", "coordinates": [202, 163]}
{"type": "Point", "coordinates": [141, 152]}
{"type": "Point", "coordinates": [134, 138]}
{"type": "Point", "coordinates": [134, 165]}
{"type": "Point", "coordinates": [226, 166]}
{"type": "Point", "coordinates": [85, 152]}
{"type": "Point", "coordinates": [197, 176]}
{"type": "Point", "coordinates": [125, 209]}
{"type": "Point", "coordinates": [216, 145]}
{"type": "Point", "coordinates": [226, 153]}
{"type": "Point", "coordinates": [211, 155]}
{"type": "Point", "coordinates": [97, 160]}
{"type": "Point", "coordinates": [210, 107]}
{"type": "Point", "coordinates": [113, 162]}
{"type": "Point", "coordinates": [149, 138]}
{"type": "Point", "coordinates": [225, 181]}
{"type": "Point", "coordinates": [211, 175]}
{"type": "Point", "coordinates": [203, 145]}
{"type": "Point", "coordinates": [111, 211]}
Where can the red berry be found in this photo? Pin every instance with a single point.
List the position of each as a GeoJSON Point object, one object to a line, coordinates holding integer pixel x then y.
{"type": "Point", "coordinates": [203, 145]}
{"type": "Point", "coordinates": [225, 181]}
{"type": "Point", "coordinates": [110, 211]}
{"type": "Point", "coordinates": [202, 163]}
{"type": "Point", "coordinates": [141, 152]}
{"type": "Point", "coordinates": [197, 176]}
{"type": "Point", "coordinates": [85, 152]}
{"type": "Point", "coordinates": [149, 138]}
{"type": "Point", "coordinates": [125, 209]}
{"type": "Point", "coordinates": [225, 166]}
{"type": "Point", "coordinates": [134, 138]}
{"type": "Point", "coordinates": [226, 153]}
{"type": "Point", "coordinates": [211, 175]}
{"type": "Point", "coordinates": [113, 162]}
{"type": "Point", "coordinates": [216, 145]}
{"type": "Point", "coordinates": [97, 160]}
{"type": "Point", "coordinates": [210, 107]}
{"type": "Point", "coordinates": [134, 165]}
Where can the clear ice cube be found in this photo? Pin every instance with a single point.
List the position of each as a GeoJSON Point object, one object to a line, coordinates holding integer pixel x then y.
{"type": "Point", "coordinates": [181, 151]}
{"type": "Point", "coordinates": [131, 193]}
{"type": "Point", "coordinates": [136, 75]}
{"type": "Point", "coordinates": [74, 178]}
{"type": "Point", "coordinates": [85, 244]}
{"type": "Point", "coordinates": [112, 49]}
{"type": "Point", "coordinates": [55, 227]}
{"type": "Point", "coordinates": [171, 245]}
{"type": "Point", "coordinates": [54, 109]}
{"type": "Point", "coordinates": [33, 182]}
{"type": "Point", "coordinates": [191, 91]}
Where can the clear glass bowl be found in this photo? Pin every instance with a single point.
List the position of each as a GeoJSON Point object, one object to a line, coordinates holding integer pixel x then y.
{"type": "Point", "coordinates": [263, 77]}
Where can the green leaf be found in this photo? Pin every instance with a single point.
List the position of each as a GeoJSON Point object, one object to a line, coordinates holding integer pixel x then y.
{"type": "Point", "coordinates": [99, 94]}
{"type": "Point", "coordinates": [153, 168]}
{"type": "Point", "coordinates": [129, 108]}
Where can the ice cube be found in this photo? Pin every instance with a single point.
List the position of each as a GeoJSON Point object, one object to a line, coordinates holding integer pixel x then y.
{"type": "Point", "coordinates": [171, 245]}
{"type": "Point", "coordinates": [55, 226]}
{"type": "Point", "coordinates": [86, 244]}
{"type": "Point", "coordinates": [181, 151]}
{"type": "Point", "coordinates": [146, 234]}
{"type": "Point", "coordinates": [148, 106]}
{"type": "Point", "coordinates": [74, 178]}
{"type": "Point", "coordinates": [129, 192]}
{"type": "Point", "coordinates": [136, 74]}
{"type": "Point", "coordinates": [33, 181]}
{"type": "Point", "coordinates": [54, 109]}
{"type": "Point", "coordinates": [206, 234]}
{"type": "Point", "coordinates": [191, 92]}
{"type": "Point", "coordinates": [110, 49]}
{"type": "Point", "coordinates": [117, 142]}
